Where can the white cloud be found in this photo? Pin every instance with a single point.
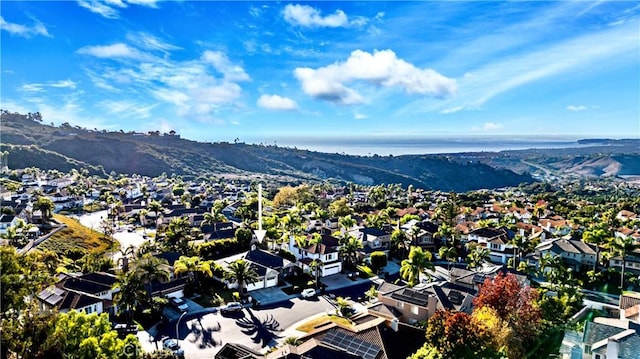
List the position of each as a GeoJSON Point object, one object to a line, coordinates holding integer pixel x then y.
{"type": "Point", "coordinates": [118, 50]}
{"type": "Point", "coordinates": [576, 108]}
{"type": "Point", "coordinates": [221, 62]}
{"type": "Point", "coordinates": [38, 87]}
{"type": "Point", "coordinates": [109, 8]}
{"type": "Point", "coordinates": [64, 84]}
{"type": "Point", "coordinates": [307, 16]}
{"type": "Point", "coordinates": [275, 102]}
{"type": "Point", "coordinates": [491, 126]}
{"type": "Point", "coordinates": [382, 68]}
{"type": "Point", "coordinates": [24, 30]}
{"type": "Point", "coordinates": [128, 108]}
{"type": "Point", "coordinates": [150, 42]}
{"type": "Point", "coordinates": [99, 8]}
{"type": "Point", "coordinates": [360, 116]}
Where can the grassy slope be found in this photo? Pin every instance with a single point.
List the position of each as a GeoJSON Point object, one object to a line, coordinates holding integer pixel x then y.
{"type": "Point", "coordinates": [76, 236]}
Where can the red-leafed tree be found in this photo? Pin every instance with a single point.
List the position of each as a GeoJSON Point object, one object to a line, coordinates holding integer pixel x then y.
{"type": "Point", "coordinates": [514, 304]}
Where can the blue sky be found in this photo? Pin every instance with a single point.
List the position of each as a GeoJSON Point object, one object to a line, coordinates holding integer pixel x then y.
{"type": "Point", "coordinates": [290, 71]}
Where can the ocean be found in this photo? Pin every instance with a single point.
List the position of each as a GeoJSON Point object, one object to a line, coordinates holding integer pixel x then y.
{"type": "Point", "coordinates": [416, 146]}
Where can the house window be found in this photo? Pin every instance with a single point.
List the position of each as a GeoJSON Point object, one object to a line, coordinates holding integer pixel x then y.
{"type": "Point", "coordinates": [88, 310]}
{"type": "Point", "coordinates": [400, 304]}
{"type": "Point", "coordinates": [415, 310]}
{"type": "Point", "coordinates": [599, 356]}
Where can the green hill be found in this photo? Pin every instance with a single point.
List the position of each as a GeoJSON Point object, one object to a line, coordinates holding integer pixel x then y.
{"type": "Point", "coordinates": [32, 143]}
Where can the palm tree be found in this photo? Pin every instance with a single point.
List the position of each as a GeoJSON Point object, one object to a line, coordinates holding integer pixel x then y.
{"type": "Point", "coordinates": [445, 231]}
{"type": "Point", "coordinates": [46, 206]}
{"type": "Point", "coordinates": [621, 246]}
{"type": "Point", "coordinates": [156, 208]}
{"type": "Point", "coordinates": [193, 266]}
{"type": "Point", "coordinates": [417, 262]}
{"type": "Point", "coordinates": [316, 266]}
{"type": "Point", "coordinates": [130, 294]}
{"type": "Point", "coordinates": [150, 268]}
{"type": "Point", "coordinates": [597, 237]}
{"type": "Point", "coordinates": [477, 255]}
{"type": "Point", "coordinates": [349, 250]}
{"type": "Point", "coordinates": [346, 223]}
{"type": "Point", "coordinates": [399, 241]}
{"type": "Point", "coordinates": [241, 272]}
{"type": "Point", "coordinates": [448, 253]}
{"type": "Point", "coordinates": [295, 341]}
{"type": "Point", "coordinates": [518, 242]}
{"type": "Point", "coordinates": [178, 234]}
{"type": "Point", "coordinates": [125, 254]}
{"type": "Point", "coordinates": [342, 306]}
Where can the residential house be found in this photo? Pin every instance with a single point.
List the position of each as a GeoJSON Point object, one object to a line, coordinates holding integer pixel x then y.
{"type": "Point", "coordinates": [575, 254]}
{"type": "Point", "coordinates": [373, 239]}
{"type": "Point", "coordinates": [625, 215]}
{"type": "Point", "coordinates": [267, 276]}
{"type": "Point", "coordinates": [325, 251]}
{"type": "Point", "coordinates": [496, 240]}
{"type": "Point", "coordinates": [632, 265]}
{"type": "Point", "coordinates": [421, 233]}
{"type": "Point", "coordinates": [605, 338]}
{"type": "Point", "coordinates": [411, 305]}
{"type": "Point", "coordinates": [91, 292]}
{"type": "Point", "coordinates": [6, 221]}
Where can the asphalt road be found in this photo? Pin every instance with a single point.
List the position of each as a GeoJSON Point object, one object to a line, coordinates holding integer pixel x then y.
{"type": "Point", "coordinates": [202, 336]}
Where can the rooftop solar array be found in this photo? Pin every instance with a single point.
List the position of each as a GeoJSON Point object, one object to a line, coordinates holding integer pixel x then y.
{"type": "Point", "coordinates": [52, 295]}
{"type": "Point", "coordinates": [478, 278]}
{"type": "Point", "coordinates": [455, 297]}
{"type": "Point", "coordinates": [352, 345]}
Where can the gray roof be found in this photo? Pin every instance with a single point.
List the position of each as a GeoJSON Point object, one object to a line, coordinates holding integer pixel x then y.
{"type": "Point", "coordinates": [595, 332]}
{"type": "Point", "coordinates": [628, 347]}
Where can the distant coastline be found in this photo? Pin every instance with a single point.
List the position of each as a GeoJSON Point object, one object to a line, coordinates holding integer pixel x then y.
{"type": "Point", "coordinates": [419, 146]}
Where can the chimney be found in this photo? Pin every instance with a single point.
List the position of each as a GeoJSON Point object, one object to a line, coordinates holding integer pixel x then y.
{"type": "Point", "coordinates": [394, 324]}
{"type": "Point", "coordinates": [612, 348]}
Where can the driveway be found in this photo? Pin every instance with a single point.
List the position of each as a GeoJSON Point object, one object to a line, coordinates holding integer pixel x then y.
{"type": "Point", "coordinates": [202, 335]}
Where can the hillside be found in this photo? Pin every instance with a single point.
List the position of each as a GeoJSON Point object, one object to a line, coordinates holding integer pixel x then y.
{"type": "Point", "coordinates": [592, 158]}
{"type": "Point", "coordinates": [32, 143]}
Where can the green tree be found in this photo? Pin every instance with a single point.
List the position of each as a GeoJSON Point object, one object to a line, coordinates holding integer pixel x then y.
{"type": "Point", "coordinates": [449, 254]}
{"type": "Point", "coordinates": [342, 306]}
{"type": "Point", "coordinates": [349, 251]}
{"type": "Point", "coordinates": [242, 273]}
{"type": "Point", "coordinates": [477, 255]}
{"type": "Point", "coordinates": [456, 335]}
{"type": "Point", "coordinates": [193, 266]}
{"type": "Point", "coordinates": [45, 206]}
{"type": "Point", "coordinates": [156, 207]}
{"type": "Point", "coordinates": [378, 260]}
{"type": "Point", "coordinates": [417, 262]}
{"type": "Point", "coordinates": [596, 236]}
{"type": "Point", "coordinates": [130, 294]}
{"type": "Point", "coordinates": [622, 246]}
{"type": "Point", "coordinates": [399, 242]}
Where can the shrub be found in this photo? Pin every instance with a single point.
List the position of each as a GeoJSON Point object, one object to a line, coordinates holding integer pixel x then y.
{"type": "Point", "coordinates": [235, 296]}
{"type": "Point", "coordinates": [378, 260]}
{"type": "Point", "coordinates": [286, 254]}
{"type": "Point", "coordinates": [365, 272]}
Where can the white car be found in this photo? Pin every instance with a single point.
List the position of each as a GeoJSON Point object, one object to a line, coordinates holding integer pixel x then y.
{"type": "Point", "coordinates": [308, 293]}
{"type": "Point", "coordinates": [179, 304]}
{"type": "Point", "coordinates": [231, 307]}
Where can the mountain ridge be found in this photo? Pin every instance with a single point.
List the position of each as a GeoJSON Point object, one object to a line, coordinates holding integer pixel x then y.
{"type": "Point", "coordinates": [32, 143]}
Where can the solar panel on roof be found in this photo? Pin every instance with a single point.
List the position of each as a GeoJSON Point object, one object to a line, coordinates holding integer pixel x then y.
{"type": "Point", "coordinates": [352, 345]}
{"type": "Point", "coordinates": [455, 297]}
{"type": "Point", "coordinates": [478, 278]}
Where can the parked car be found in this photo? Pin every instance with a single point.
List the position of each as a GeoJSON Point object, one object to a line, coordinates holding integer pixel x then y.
{"type": "Point", "coordinates": [231, 307]}
{"type": "Point", "coordinates": [124, 329]}
{"type": "Point", "coordinates": [173, 346]}
{"type": "Point", "coordinates": [179, 304]}
{"type": "Point", "coordinates": [308, 293]}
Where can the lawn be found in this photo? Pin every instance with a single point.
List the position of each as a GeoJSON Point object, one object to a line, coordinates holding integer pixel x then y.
{"type": "Point", "coordinates": [321, 321]}
{"type": "Point", "coordinates": [76, 236]}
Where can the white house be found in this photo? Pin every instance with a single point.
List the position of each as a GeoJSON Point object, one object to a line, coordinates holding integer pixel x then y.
{"type": "Point", "coordinates": [326, 252]}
